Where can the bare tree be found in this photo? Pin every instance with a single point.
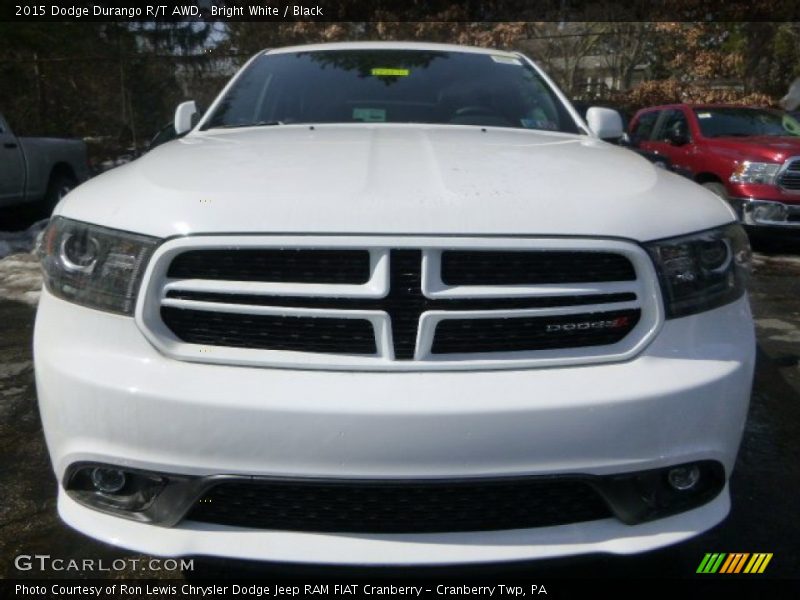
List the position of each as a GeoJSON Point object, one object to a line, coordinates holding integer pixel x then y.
{"type": "Point", "coordinates": [562, 47]}
{"type": "Point", "coordinates": [625, 46]}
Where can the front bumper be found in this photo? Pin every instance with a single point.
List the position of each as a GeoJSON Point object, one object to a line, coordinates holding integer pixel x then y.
{"type": "Point", "coordinates": [766, 214]}
{"type": "Point", "coordinates": [201, 539]}
{"type": "Point", "coordinates": [106, 395]}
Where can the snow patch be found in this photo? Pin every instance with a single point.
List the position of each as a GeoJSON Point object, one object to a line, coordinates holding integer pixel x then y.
{"type": "Point", "coordinates": [766, 259]}
{"type": "Point", "coordinates": [14, 391]}
{"type": "Point", "coordinates": [783, 330]}
{"type": "Point", "coordinates": [791, 337]}
{"type": "Point", "coordinates": [14, 368]}
{"type": "Point", "coordinates": [775, 324]}
{"type": "Point", "coordinates": [20, 278]}
{"type": "Point", "coordinates": [12, 242]}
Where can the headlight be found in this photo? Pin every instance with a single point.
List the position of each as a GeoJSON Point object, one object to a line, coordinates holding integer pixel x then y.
{"type": "Point", "coordinates": [755, 172]}
{"type": "Point", "coordinates": [702, 271]}
{"type": "Point", "coordinates": [94, 266]}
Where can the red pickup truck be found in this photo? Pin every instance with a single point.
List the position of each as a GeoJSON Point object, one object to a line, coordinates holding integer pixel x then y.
{"type": "Point", "coordinates": [749, 156]}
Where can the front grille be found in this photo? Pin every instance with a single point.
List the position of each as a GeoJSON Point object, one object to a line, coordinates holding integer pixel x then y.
{"type": "Point", "coordinates": [275, 265]}
{"type": "Point", "coordinates": [400, 507]}
{"type": "Point", "coordinates": [267, 332]}
{"type": "Point", "coordinates": [789, 179]}
{"type": "Point", "coordinates": [459, 336]}
{"type": "Point", "coordinates": [538, 267]}
{"type": "Point", "coordinates": [408, 307]}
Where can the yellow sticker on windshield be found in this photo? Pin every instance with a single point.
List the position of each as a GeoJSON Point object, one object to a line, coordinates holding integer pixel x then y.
{"type": "Point", "coordinates": [382, 72]}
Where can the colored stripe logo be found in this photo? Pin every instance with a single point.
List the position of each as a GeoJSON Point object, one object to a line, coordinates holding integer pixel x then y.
{"type": "Point", "coordinates": [736, 562]}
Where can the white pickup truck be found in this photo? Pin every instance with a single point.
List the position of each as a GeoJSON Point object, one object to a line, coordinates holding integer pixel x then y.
{"type": "Point", "coordinates": [35, 169]}
{"type": "Point", "coordinates": [392, 303]}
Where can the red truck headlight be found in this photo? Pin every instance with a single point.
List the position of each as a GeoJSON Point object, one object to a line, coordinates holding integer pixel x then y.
{"type": "Point", "coordinates": [755, 172]}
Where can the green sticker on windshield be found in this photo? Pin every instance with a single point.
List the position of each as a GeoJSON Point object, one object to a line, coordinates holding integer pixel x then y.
{"type": "Point", "coordinates": [369, 115]}
{"type": "Point", "coordinates": [382, 72]}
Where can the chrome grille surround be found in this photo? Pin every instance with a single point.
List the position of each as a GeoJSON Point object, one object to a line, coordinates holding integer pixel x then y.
{"type": "Point", "coordinates": [157, 286]}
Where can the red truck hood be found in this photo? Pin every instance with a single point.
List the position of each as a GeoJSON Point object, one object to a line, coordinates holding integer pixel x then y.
{"type": "Point", "coordinates": [769, 148]}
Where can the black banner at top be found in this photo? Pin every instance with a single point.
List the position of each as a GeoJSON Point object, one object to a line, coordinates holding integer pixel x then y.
{"type": "Point", "coordinates": [398, 10]}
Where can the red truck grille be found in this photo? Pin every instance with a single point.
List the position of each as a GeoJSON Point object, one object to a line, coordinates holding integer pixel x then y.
{"type": "Point", "coordinates": [789, 179]}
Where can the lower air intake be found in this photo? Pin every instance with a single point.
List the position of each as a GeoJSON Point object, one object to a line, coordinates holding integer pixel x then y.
{"type": "Point", "coordinates": [400, 507]}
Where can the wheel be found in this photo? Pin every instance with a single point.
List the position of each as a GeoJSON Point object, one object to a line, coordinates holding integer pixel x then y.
{"type": "Point", "coordinates": [717, 188]}
{"type": "Point", "coordinates": [60, 185]}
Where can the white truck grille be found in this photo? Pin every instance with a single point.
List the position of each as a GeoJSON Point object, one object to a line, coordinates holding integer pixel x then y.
{"type": "Point", "coordinates": [399, 304]}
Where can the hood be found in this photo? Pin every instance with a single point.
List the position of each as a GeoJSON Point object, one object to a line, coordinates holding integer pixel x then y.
{"type": "Point", "coordinates": [394, 179]}
{"type": "Point", "coordinates": [768, 148]}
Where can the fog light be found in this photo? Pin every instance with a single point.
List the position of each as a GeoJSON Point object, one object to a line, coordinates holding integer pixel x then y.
{"type": "Point", "coordinates": [108, 481]}
{"type": "Point", "coordinates": [110, 489]}
{"type": "Point", "coordinates": [683, 478]}
{"type": "Point", "coordinates": [769, 211]}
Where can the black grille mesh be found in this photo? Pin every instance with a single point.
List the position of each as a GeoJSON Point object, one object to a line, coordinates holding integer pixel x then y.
{"type": "Point", "coordinates": [455, 336]}
{"type": "Point", "coordinates": [268, 332]}
{"type": "Point", "coordinates": [292, 265]}
{"type": "Point", "coordinates": [400, 507]}
{"type": "Point", "coordinates": [472, 267]}
{"type": "Point", "coordinates": [404, 303]}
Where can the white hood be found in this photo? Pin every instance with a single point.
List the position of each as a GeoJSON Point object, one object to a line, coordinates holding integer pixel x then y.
{"type": "Point", "coordinates": [395, 179]}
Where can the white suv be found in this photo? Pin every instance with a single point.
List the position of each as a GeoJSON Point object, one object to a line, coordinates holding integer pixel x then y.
{"type": "Point", "coordinates": [387, 304]}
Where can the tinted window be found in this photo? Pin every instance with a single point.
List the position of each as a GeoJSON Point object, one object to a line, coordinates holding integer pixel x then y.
{"type": "Point", "coordinates": [392, 86]}
{"type": "Point", "coordinates": [743, 122]}
{"type": "Point", "coordinates": [644, 126]}
{"type": "Point", "coordinates": [674, 120]}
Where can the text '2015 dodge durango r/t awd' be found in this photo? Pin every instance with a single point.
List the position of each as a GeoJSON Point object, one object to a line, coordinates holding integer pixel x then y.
{"type": "Point", "coordinates": [393, 303]}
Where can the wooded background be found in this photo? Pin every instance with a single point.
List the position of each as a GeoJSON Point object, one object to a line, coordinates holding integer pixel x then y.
{"type": "Point", "coordinates": [117, 84]}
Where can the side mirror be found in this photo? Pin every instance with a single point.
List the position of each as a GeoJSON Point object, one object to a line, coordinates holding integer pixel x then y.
{"type": "Point", "coordinates": [605, 123]}
{"type": "Point", "coordinates": [184, 115]}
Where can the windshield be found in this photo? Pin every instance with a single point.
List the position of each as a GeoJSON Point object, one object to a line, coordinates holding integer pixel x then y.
{"type": "Point", "coordinates": [744, 122]}
{"type": "Point", "coordinates": [391, 86]}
